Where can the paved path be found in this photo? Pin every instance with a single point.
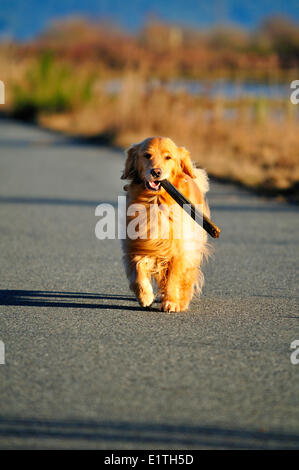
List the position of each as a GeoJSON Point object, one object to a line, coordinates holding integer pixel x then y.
{"type": "Point", "coordinates": [86, 367]}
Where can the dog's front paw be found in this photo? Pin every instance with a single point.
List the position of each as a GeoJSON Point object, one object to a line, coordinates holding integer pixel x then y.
{"type": "Point", "coordinates": [146, 298]}
{"type": "Point", "coordinates": [168, 306]}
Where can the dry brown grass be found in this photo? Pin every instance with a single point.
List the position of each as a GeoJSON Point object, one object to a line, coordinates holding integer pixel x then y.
{"type": "Point", "coordinates": [252, 148]}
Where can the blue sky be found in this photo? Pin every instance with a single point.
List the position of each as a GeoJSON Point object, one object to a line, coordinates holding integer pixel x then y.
{"type": "Point", "coordinates": [25, 18]}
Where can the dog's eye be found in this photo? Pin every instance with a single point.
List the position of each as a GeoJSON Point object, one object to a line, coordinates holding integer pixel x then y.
{"type": "Point", "coordinates": [147, 155]}
{"type": "Point", "coordinates": [168, 157]}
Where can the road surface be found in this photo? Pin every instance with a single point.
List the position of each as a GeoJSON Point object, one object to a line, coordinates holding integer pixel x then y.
{"type": "Point", "coordinates": [85, 367]}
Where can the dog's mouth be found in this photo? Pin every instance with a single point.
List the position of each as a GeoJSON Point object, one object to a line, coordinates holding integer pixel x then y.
{"type": "Point", "coordinates": [153, 185]}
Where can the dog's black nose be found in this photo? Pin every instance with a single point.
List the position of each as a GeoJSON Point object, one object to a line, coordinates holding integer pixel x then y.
{"type": "Point", "coordinates": [156, 172]}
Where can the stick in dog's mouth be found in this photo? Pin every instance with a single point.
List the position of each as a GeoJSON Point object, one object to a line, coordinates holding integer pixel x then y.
{"type": "Point", "coordinates": [208, 225]}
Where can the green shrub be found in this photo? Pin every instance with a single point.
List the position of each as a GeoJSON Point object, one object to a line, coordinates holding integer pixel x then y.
{"type": "Point", "coordinates": [50, 87]}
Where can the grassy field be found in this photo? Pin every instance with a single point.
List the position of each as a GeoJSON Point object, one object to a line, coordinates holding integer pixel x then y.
{"type": "Point", "coordinates": [61, 84]}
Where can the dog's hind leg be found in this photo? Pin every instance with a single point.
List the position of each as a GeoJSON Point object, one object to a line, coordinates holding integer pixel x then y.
{"type": "Point", "coordinates": [192, 278]}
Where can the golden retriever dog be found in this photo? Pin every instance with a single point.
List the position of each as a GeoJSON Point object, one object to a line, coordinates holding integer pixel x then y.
{"type": "Point", "coordinates": [172, 262]}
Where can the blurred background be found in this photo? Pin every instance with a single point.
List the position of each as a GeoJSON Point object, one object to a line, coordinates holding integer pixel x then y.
{"type": "Point", "coordinates": [214, 76]}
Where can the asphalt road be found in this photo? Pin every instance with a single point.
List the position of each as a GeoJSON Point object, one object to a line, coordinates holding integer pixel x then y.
{"type": "Point", "coordinates": [86, 367]}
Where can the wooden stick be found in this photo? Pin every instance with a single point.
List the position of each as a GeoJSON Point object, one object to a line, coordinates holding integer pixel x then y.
{"type": "Point", "coordinates": [208, 225]}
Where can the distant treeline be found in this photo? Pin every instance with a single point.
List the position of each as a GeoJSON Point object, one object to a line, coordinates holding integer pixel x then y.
{"type": "Point", "coordinates": [167, 50]}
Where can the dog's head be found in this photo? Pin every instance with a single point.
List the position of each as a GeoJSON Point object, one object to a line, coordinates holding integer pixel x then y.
{"type": "Point", "coordinates": [155, 159]}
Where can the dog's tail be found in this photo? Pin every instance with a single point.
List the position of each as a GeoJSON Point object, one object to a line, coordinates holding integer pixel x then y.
{"type": "Point", "coordinates": [202, 181]}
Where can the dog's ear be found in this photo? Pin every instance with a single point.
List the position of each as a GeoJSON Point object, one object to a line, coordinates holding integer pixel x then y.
{"type": "Point", "coordinates": [131, 163]}
{"type": "Point", "coordinates": [185, 161]}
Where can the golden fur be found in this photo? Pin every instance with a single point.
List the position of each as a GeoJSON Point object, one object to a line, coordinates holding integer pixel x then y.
{"type": "Point", "coordinates": [173, 262]}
